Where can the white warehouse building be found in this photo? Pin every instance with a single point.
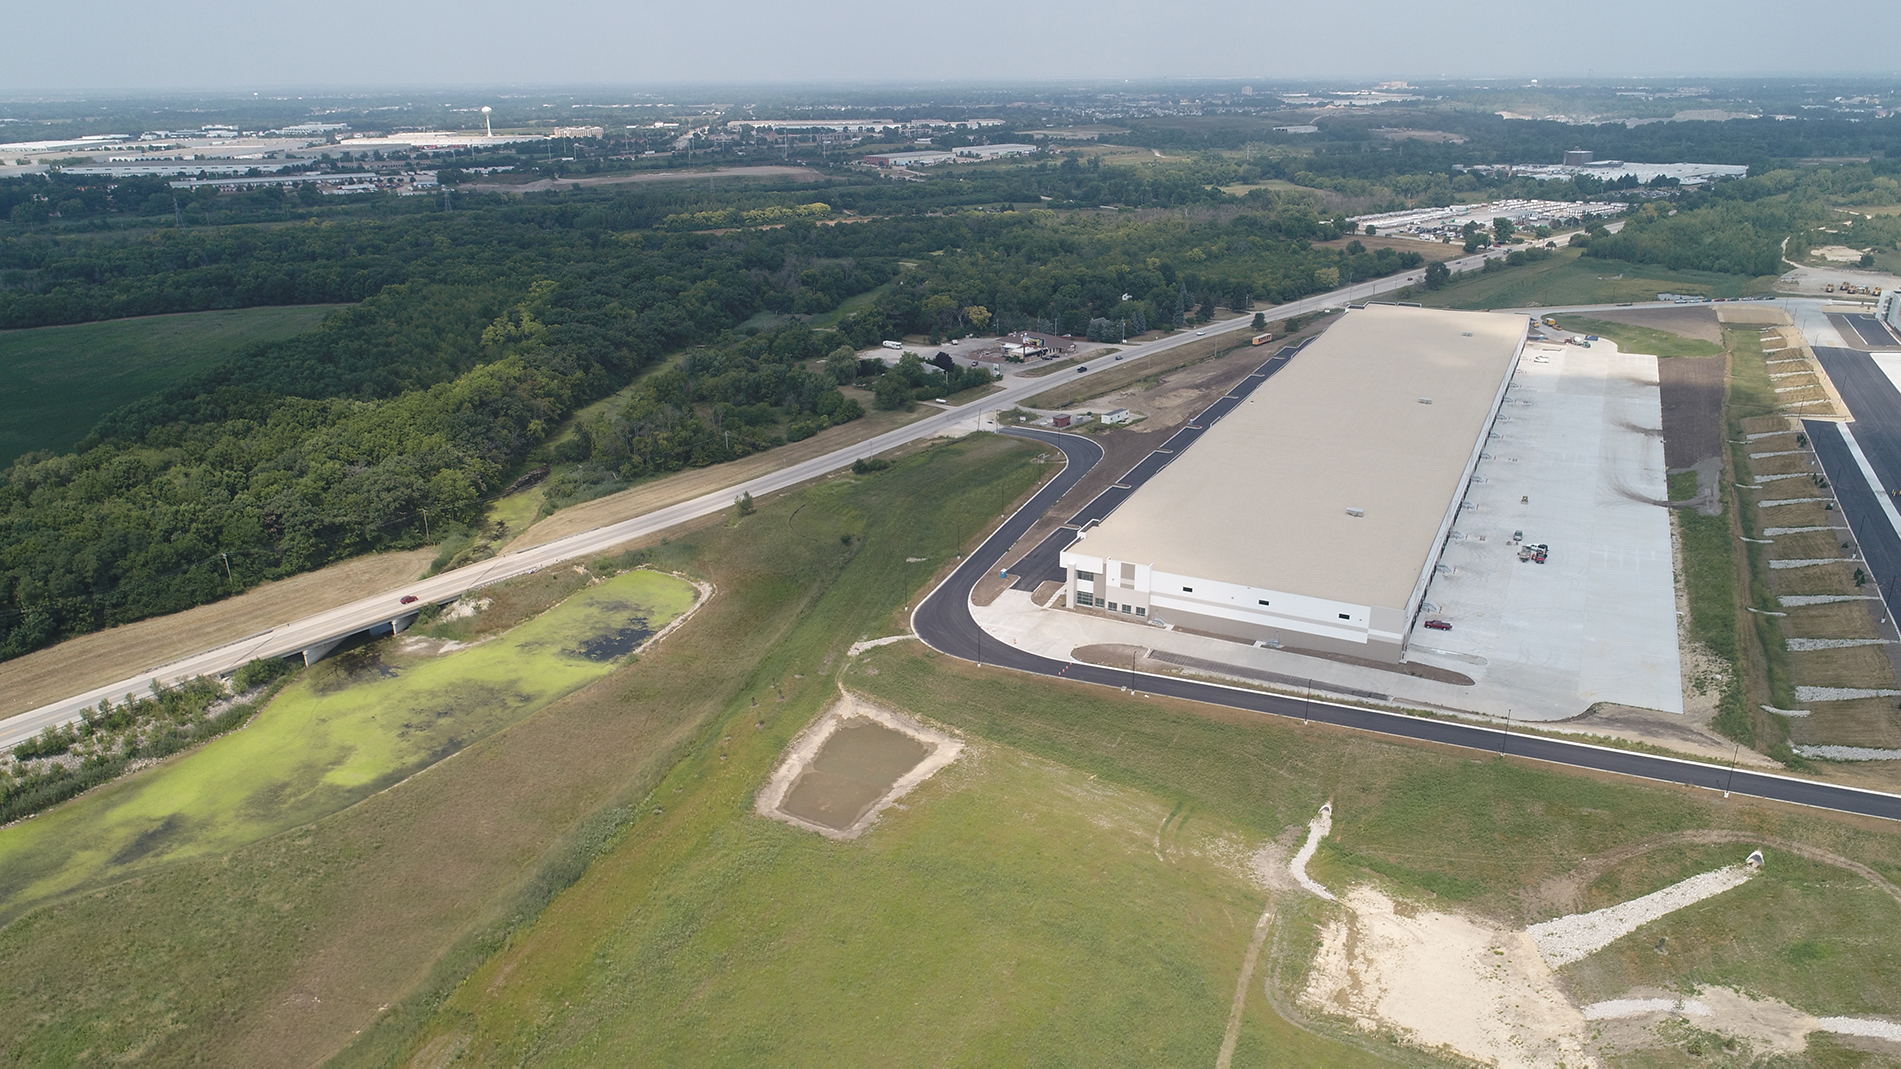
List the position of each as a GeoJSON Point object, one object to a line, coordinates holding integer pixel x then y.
{"type": "Point", "coordinates": [1313, 515]}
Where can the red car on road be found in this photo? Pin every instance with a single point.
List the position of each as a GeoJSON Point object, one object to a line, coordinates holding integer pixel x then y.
{"type": "Point", "coordinates": [409, 599]}
{"type": "Point", "coordinates": [1438, 625]}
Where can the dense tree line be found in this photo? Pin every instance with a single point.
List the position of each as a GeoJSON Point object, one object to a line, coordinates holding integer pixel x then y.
{"type": "Point", "coordinates": [476, 333]}
{"type": "Point", "coordinates": [1739, 227]}
{"type": "Point", "coordinates": [415, 404]}
{"type": "Point", "coordinates": [1053, 272]}
{"type": "Point", "coordinates": [716, 403]}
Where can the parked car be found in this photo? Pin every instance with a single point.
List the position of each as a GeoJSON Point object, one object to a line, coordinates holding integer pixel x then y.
{"type": "Point", "coordinates": [1438, 625]}
{"type": "Point", "coordinates": [409, 599]}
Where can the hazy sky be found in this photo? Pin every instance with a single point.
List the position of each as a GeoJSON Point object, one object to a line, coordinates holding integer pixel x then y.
{"type": "Point", "coordinates": [228, 44]}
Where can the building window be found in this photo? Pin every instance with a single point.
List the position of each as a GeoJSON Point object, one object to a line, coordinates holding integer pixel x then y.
{"type": "Point", "coordinates": [1084, 601]}
{"type": "Point", "coordinates": [1140, 611]}
{"type": "Point", "coordinates": [1080, 574]}
{"type": "Point", "coordinates": [1344, 616]}
{"type": "Point", "coordinates": [1263, 601]}
{"type": "Point", "coordinates": [1188, 590]}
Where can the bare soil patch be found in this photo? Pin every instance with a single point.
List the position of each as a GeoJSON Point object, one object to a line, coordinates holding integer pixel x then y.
{"type": "Point", "coordinates": [80, 664]}
{"type": "Point", "coordinates": [1692, 395]}
{"type": "Point", "coordinates": [854, 761]}
{"type": "Point", "coordinates": [1431, 250]}
{"type": "Point", "coordinates": [1756, 314]}
{"type": "Point", "coordinates": [1691, 321]}
{"type": "Point", "coordinates": [1872, 722]}
{"type": "Point", "coordinates": [1683, 734]}
{"type": "Point", "coordinates": [1842, 619]}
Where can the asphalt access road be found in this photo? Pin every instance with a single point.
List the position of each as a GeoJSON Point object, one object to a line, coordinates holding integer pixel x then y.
{"type": "Point", "coordinates": [1874, 404]}
{"type": "Point", "coordinates": [944, 622]}
{"type": "Point", "coordinates": [1043, 563]}
{"type": "Point", "coordinates": [1872, 331]}
{"type": "Point", "coordinates": [1860, 502]}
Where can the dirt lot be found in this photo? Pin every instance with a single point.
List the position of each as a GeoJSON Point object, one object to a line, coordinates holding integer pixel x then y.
{"type": "Point", "coordinates": [1431, 250]}
{"type": "Point", "coordinates": [797, 174]}
{"type": "Point", "coordinates": [1691, 321]}
{"type": "Point", "coordinates": [1692, 390]}
{"type": "Point", "coordinates": [89, 661]}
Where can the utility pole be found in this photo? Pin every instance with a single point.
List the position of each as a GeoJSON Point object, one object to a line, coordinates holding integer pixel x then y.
{"type": "Point", "coordinates": [229, 581]}
{"type": "Point", "coordinates": [425, 525]}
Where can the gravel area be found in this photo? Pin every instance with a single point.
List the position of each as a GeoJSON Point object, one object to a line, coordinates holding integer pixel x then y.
{"type": "Point", "coordinates": [1841, 694]}
{"type": "Point", "coordinates": [1571, 938]}
{"type": "Point", "coordinates": [1317, 830]}
{"type": "Point", "coordinates": [1859, 1026]}
{"type": "Point", "coordinates": [1796, 601]}
{"type": "Point", "coordinates": [1849, 753]}
{"type": "Point", "coordinates": [1804, 645]}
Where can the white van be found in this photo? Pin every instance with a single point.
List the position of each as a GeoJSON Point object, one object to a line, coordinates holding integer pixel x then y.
{"type": "Point", "coordinates": [892, 344]}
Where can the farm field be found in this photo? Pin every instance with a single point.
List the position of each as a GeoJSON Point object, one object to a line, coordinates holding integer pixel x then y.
{"type": "Point", "coordinates": [56, 382]}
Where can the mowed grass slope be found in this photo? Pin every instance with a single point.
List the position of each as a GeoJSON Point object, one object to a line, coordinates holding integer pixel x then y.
{"type": "Point", "coordinates": [282, 951]}
{"type": "Point", "coordinates": [1010, 908]}
{"type": "Point", "coordinates": [56, 382]}
{"type": "Point", "coordinates": [1453, 828]}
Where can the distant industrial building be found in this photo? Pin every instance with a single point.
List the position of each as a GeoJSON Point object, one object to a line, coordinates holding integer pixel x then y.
{"type": "Point", "coordinates": [1314, 515]}
{"type": "Point", "coordinates": [994, 152]}
{"type": "Point", "coordinates": [908, 159]}
{"type": "Point", "coordinates": [1301, 129]}
{"type": "Point", "coordinates": [1578, 157]}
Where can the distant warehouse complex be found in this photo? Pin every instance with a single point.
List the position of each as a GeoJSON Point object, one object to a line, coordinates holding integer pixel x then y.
{"type": "Point", "coordinates": [1313, 515]}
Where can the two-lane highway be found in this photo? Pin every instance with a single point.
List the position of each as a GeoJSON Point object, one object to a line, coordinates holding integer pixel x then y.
{"type": "Point", "coordinates": [943, 620]}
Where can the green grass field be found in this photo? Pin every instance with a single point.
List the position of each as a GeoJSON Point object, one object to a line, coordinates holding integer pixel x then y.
{"type": "Point", "coordinates": [589, 885]}
{"type": "Point", "coordinates": [714, 937]}
{"type": "Point", "coordinates": [1633, 339]}
{"type": "Point", "coordinates": [351, 726]}
{"type": "Point", "coordinates": [1568, 279]}
{"type": "Point", "coordinates": [56, 382]}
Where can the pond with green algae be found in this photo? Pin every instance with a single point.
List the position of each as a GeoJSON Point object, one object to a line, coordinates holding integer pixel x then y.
{"type": "Point", "coordinates": [346, 729]}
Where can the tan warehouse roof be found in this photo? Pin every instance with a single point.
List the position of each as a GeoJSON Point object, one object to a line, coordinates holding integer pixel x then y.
{"type": "Point", "coordinates": [1262, 498]}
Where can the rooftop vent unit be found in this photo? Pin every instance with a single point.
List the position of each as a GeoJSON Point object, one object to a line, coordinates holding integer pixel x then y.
{"type": "Point", "coordinates": [1425, 400]}
{"type": "Point", "coordinates": [1356, 512]}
